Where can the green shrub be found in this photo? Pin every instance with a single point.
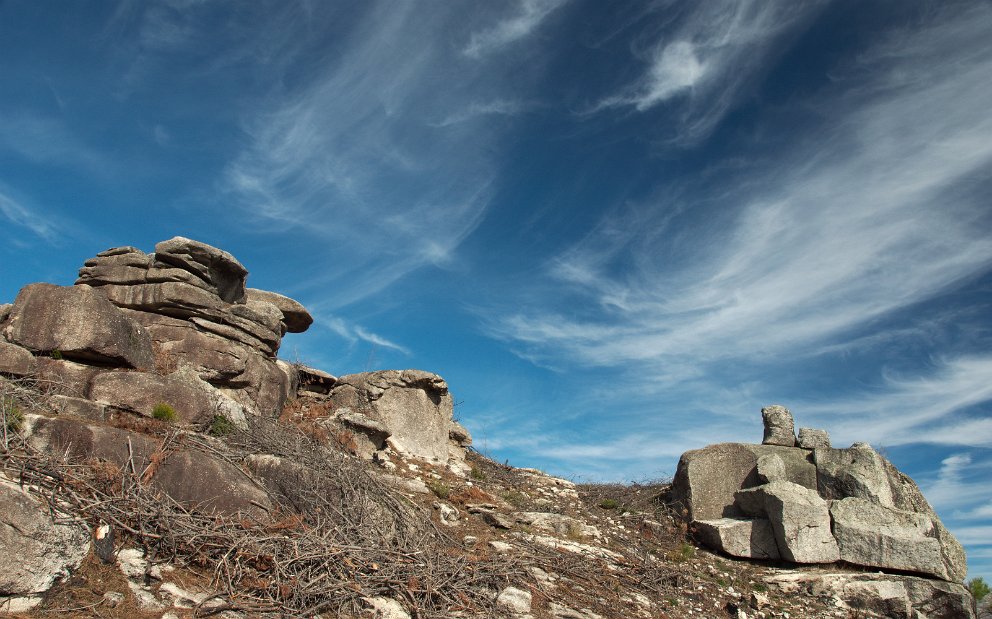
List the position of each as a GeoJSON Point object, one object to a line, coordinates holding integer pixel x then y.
{"type": "Point", "coordinates": [57, 354]}
{"type": "Point", "coordinates": [164, 412]}
{"type": "Point", "coordinates": [683, 553]}
{"type": "Point", "coordinates": [12, 416]}
{"type": "Point", "coordinates": [609, 504]}
{"type": "Point", "coordinates": [477, 474]}
{"type": "Point", "coordinates": [221, 426]}
{"type": "Point", "coordinates": [978, 588]}
{"type": "Point", "coordinates": [440, 489]}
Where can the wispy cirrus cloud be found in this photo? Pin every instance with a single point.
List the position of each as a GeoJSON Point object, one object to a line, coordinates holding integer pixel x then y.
{"type": "Point", "coordinates": [529, 16]}
{"type": "Point", "coordinates": [804, 249]}
{"type": "Point", "coordinates": [353, 333]}
{"type": "Point", "coordinates": [348, 155]}
{"type": "Point", "coordinates": [17, 214]}
{"type": "Point", "coordinates": [708, 59]}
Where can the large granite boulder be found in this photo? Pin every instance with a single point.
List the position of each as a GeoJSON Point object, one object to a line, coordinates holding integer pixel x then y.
{"type": "Point", "coordinates": [780, 429]}
{"type": "Point", "coordinates": [193, 478]}
{"type": "Point", "coordinates": [822, 504]}
{"type": "Point", "coordinates": [214, 266]}
{"type": "Point", "coordinates": [880, 595]}
{"type": "Point", "coordinates": [77, 323]}
{"type": "Point", "coordinates": [37, 550]}
{"type": "Point", "coordinates": [16, 361]}
{"type": "Point", "coordinates": [296, 317]}
{"type": "Point", "coordinates": [800, 520]}
{"type": "Point", "coordinates": [413, 406]}
{"type": "Point", "coordinates": [707, 480]}
{"type": "Point", "coordinates": [195, 402]}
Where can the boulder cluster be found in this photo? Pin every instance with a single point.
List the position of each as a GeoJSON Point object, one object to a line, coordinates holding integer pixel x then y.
{"type": "Point", "coordinates": [176, 336]}
{"type": "Point", "coordinates": [803, 501]}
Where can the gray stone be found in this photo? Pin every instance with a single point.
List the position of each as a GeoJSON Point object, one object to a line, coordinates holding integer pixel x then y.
{"type": "Point", "coordinates": [810, 438]}
{"type": "Point", "coordinates": [194, 401]}
{"type": "Point", "coordinates": [296, 317]}
{"type": "Point", "coordinates": [414, 407]}
{"type": "Point", "coordinates": [779, 426]}
{"type": "Point", "coordinates": [515, 600]}
{"type": "Point", "coordinates": [752, 539]}
{"type": "Point", "coordinates": [77, 407]}
{"type": "Point", "coordinates": [860, 472]}
{"type": "Point", "coordinates": [5, 312]}
{"type": "Point", "coordinates": [707, 479]}
{"type": "Point", "coordinates": [212, 265]}
{"type": "Point", "coordinates": [79, 323]}
{"type": "Point", "coordinates": [16, 361]}
{"type": "Point", "coordinates": [194, 478]}
{"type": "Point", "coordinates": [882, 595]}
{"type": "Point", "coordinates": [771, 468]}
{"type": "Point", "coordinates": [177, 299]}
{"type": "Point", "coordinates": [62, 377]}
{"type": "Point", "coordinates": [799, 517]}
{"type": "Point", "coordinates": [559, 524]}
{"type": "Point", "coordinates": [875, 536]}
{"type": "Point", "coordinates": [459, 434]}
{"type": "Point", "coordinates": [985, 607]}
{"type": "Point", "coordinates": [36, 550]}
{"type": "Point", "coordinates": [314, 380]}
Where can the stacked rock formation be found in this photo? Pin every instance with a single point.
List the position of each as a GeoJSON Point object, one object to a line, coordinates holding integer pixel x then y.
{"type": "Point", "coordinates": [806, 502]}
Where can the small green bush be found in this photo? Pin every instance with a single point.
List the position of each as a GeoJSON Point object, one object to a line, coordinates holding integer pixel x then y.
{"type": "Point", "coordinates": [440, 489]}
{"type": "Point", "coordinates": [477, 474]}
{"type": "Point", "coordinates": [57, 354]}
{"type": "Point", "coordinates": [13, 417]}
{"type": "Point", "coordinates": [609, 504]}
{"type": "Point", "coordinates": [683, 553]}
{"type": "Point", "coordinates": [164, 412]}
{"type": "Point", "coordinates": [220, 426]}
{"type": "Point", "coordinates": [978, 588]}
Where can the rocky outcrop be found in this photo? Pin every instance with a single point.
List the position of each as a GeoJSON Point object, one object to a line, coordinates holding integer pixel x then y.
{"type": "Point", "coordinates": [16, 361]}
{"type": "Point", "coordinates": [821, 504]}
{"type": "Point", "coordinates": [194, 478]}
{"type": "Point", "coordinates": [880, 595]}
{"type": "Point", "coordinates": [412, 409]}
{"type": "Point", "coordinates": [77, 323]}
{"type": "Point", "coordinates": [296, 317]}
{"type": "Point", "coordinates": [779, 426]}
{"type": "Point", "coordinates": [37, 550]}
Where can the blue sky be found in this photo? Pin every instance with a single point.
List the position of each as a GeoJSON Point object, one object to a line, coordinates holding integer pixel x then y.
{"type": "Point", "coordinates": [617, 229]}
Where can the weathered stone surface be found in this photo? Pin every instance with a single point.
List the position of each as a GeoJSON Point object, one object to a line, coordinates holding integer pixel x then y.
{"type": "Point", "coordinates": [810, 438]}
{"type": "Point", "coordinates": [884, 595]}
{"type": "Point", "coordinates": [799, 517]}
{"type": "Point", "coordinates": [36, 550]}
{"type": "Point", "coordinates": [985, 608]}
{"type": "Point", "coordinates": [194, 478]}
{"type": "Point", "coordinates": [65, 377]}
{"type": "Point", "coordinates": [515, 600]}
{"type": "Point", "coordinates": [459, 434]}
{"type": "Point", "coordinates": [296, 317]}
{"type": "Point", "coordinates": [414, 406]}
{"type": "Point", "coordinates": [771, 468]}
{"type": "Point", "coordinates": [77, 407]}
{"type": "Point", "coordinates": [16, 361]}
{"type": "Point", "coordinates": [194, 401]}
{"type": "Point", "coordinates": [753, 539]}
{"type": "Point", "coordinates": [78, 322]}
{"type": "Point", "coordinates": [5, 312]}
{"type": "Point", "coordinates": [314, 380]}
{"type": "Point", "coordinates": [707, 479]}
{"type": "Point", "coordinates": [177, 299]}
{"type": "Point", "coordinates": [779, 426]}
{"type": "Point", "coordinates": [861, 472]}
{"type": "Point", "coordinates": [559, 524]}
{"type": "Point", "coordinates": [212, 265]}
{"type": "Point", "coordinates": [875, 536]}
{"type": "Point", "coordinates": [858, 472]}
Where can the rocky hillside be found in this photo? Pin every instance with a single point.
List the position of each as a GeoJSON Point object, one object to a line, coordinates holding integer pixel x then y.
{"type": "Point", "coordinates": [159, 460]}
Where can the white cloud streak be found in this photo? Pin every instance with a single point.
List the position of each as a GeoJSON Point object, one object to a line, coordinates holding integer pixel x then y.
{"type": "Point", "coordinates": [19, 215]}
{"type": "Point", "coordinates": [530, 15]}
{"type": "Point", "coordinates": [354, 333]}
{"type": "Point", "coordinates": [708, 60]}
{"type": "Point", "coordinates": [843, 232]}
{"type": "Point", "coordinates": [348, 157]}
